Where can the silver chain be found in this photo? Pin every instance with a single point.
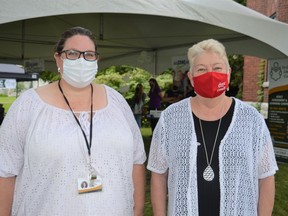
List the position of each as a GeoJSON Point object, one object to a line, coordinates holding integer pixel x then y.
{"type": "Point", "coordinates": [209, 162]}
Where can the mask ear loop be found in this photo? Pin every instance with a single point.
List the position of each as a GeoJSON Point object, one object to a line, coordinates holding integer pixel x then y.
{"type": "Point", "coordinates": [228, 80]}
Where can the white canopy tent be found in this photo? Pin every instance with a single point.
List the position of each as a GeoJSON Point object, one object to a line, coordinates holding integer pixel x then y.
{"type": "Point", "coordinates": [142, 33]}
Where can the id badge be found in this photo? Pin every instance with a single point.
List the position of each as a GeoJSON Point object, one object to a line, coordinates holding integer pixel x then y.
{"type": "Point", "coordinates": [91, 183]}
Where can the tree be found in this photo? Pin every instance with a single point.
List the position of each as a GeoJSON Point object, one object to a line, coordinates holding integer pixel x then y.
{"type": "Point", "coordinates": [124, 79]}
{"type": "Point", "coordinates": [243, 2]}
{"type": "Point", "coordinates": [49, 76]}
{"type": "Point", "coordinates": [236, 80]}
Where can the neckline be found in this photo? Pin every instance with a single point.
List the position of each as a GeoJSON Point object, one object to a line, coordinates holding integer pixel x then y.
{"type": "Point", "coordinates": [216, 120]}
{"type": "Point", "coordinates": [53, 107]}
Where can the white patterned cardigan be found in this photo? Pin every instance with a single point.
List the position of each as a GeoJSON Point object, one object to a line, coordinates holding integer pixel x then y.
{"type": "Point", "coordinates": [245, 155]}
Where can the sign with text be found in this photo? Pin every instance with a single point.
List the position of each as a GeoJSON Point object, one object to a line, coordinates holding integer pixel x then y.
{"type": "Point", "coordinates": [34, 65]}
{"type": "Point", "coordinates": [278, 105]}
{"type": "Point", "coordinates": [180, 67]}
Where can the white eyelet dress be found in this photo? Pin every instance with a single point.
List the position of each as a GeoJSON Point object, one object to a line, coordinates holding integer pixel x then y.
{"type": "Point", "coordinates": [44, 147]}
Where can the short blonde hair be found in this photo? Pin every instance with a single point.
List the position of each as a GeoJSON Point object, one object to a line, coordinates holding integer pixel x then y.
{"type": "Point", "coordinates": [209, 45]}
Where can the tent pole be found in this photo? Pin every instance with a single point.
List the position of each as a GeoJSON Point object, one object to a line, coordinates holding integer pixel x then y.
{"type": "Point", "coordinates": [23, 38]}
{"type": "Point", "coordinates": [17, 89]}
{"type": "Point", "coordinates": [101, 26]}
{"type": "Point", "coordinates": [155, 63]}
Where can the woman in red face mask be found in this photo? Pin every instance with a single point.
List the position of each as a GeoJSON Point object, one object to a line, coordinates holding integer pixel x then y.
{"type": "Point", "coordinates": [213, 151]}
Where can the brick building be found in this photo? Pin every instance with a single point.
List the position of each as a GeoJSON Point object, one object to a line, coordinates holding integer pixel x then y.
{"type": "Point", "coordinates": [278, 10]}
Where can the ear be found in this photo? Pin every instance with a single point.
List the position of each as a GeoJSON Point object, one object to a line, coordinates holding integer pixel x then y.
{"type": "Point", "coordinates": [229, 75]}
{"type": "Point", "coordinates": [58, 61]}
{"type": "Point", "coordinates": [190, 76]}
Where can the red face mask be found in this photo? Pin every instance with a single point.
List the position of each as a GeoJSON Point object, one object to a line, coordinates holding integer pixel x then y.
{"type": "Point", "coordinates": [211, 84]}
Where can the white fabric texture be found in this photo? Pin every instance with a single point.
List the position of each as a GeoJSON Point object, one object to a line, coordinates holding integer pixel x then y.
{"type": "Point", "coordinates": [44, 147]}
{"type": "Point", "coordinates": [245, 155]}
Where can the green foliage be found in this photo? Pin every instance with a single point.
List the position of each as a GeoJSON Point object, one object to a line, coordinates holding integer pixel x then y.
{"type": "Point", "coordinates": [125, 78]}
{"type": "Point", "coordinates": [20, 86]}
{"type": "Point", "coordinates": [111, 78]}
{"type": "Point", "coordinates": [243, 2]}
{"type": "Point", "coordinates": [281, 188]}
{"type": "Point", "coordinates": [236, 81]}
{"type": "Point", "coordinates": [49, 76]}
{"type": "Point", "coordinates": [6, 101]}
{"type": "Point", "coordinates": [164, 80]}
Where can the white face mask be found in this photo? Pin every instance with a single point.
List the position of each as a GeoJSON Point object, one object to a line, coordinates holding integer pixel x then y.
{"type": "Point", "coordinates": [79, 73]}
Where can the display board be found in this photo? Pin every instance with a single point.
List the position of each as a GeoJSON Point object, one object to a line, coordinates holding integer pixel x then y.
{"type": "Point", "coordinates": [278, 106]}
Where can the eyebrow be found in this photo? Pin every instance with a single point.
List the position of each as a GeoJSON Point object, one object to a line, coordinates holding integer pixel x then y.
{"type": "Point", "coordinates": [217, 63]}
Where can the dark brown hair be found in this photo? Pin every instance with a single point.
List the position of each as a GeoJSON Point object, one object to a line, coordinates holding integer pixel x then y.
{"type": "Point", "coordinates": [72, 32]}
{"type": "Point", "coordinates": [155, 86]}
{"type": "Point", "coordinates": [138, 95]}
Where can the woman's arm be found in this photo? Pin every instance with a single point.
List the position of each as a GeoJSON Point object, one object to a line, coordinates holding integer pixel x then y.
{"type": "Point", "coordinates": [266, 196]}
{"type": "Point", "coordinates": [139, 188]}
{"type": "Point", "coordinates": [159, 193]}
{"type": "Point", "coordinates": [161, 94]}
{"type": "Point", "coordinates": [6, 195]}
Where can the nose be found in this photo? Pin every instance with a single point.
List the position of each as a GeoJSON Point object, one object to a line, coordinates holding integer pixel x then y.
{"type": "Point", "coordinates": [81, 55]}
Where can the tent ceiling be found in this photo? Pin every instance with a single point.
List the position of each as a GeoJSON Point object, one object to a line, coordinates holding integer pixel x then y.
{"type": "Point", "coordinates": [124, 29]}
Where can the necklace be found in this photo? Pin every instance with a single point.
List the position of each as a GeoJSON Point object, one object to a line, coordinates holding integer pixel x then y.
{"type": "Point", "coordinates": [208, 173]}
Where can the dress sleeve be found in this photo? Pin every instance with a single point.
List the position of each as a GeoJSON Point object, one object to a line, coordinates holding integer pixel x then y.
{"type": "Point", "coordinates": [267, 164]}
{"type": "Point", "coordinates": [139, 151]}
{"type": "Point", "coordinates": [157, 161]}
{"type": "Point", "coordinates": [13, 135]}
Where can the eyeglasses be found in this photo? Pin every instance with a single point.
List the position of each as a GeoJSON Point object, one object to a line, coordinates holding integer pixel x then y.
{"type": "Point", "coordinates": [75, 54]}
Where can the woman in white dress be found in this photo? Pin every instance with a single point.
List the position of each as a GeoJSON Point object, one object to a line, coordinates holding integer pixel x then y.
{"type": "Point", "coordinates": [71, 131]}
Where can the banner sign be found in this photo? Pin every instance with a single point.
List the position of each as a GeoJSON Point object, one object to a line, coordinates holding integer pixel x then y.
{"type": "Point", "coordinates": [180, 66]}
{"type": "Point", "coordinates": [278, 105]}
{"type": "Point", "coordinates": [8, 83]}
{"type": "Point", "coordinates": [34, 65]}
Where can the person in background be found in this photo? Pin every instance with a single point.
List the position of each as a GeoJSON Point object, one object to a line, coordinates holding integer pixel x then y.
{"type": "Point", "coordinates": [214, 153]}
{"type": "Point", "coordinates": [172, 95]}
{"type": "Point", "coordinates": [56, 136]}
{"type": "Point", "coordinates": [138, 103]}
{"type": "Point", "coordinates": [2, 113]}
{"type": "Point", "coordinates": [189, 91]}
{"type": "Point", "coordinates": [155, 95]}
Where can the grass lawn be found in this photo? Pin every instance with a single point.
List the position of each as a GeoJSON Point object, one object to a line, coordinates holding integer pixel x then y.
{"type": "Point", "coordinates": [281, 183]}
{"type": "Point", "coordinates": [281, 195]}
{"type": "Point", "coordinates": [146, 133]}
{"type": "Point", "coordinates": [6, 101]}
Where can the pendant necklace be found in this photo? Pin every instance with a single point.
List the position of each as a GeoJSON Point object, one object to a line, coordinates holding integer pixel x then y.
{"type": "Point", "coordinates": [208, 173]}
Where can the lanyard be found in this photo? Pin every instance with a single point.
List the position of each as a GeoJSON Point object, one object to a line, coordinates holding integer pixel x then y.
{"type": "Point", "coordinates": [88, 145]}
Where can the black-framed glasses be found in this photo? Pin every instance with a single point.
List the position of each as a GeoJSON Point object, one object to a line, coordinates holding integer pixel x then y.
{"type": "Point", "coordinates": [75, 54]}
